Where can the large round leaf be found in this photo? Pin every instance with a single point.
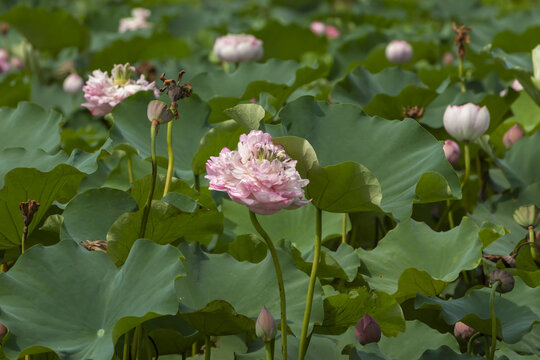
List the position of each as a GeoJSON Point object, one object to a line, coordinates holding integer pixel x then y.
{"type": "Point", "coordinates": [90, 214]}
{"type": "Point", "coordinates": [515, 311]}
{"type": "Point", "coordinates": [246, 286]}
{"type": "Point", "coordinates": [340, 133]}
{"type": "Point", "coordinates": [31, 127]}
{"type": "Point", "coordinates": [77, 303]}
{"type": "Point", "coordinates": [413, 258]}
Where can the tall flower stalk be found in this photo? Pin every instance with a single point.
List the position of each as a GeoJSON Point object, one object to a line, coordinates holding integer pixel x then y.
{"type": "Point", "coordinates": [262, 176]}
{"type": "Point", "coordinates": [279, 277]}
{"type": "Point", "coordinates": [158, 113]}
{"type": "Point", "coordinates": [462, 38]}
{"type": "Point", "coordinates": [309, 299]}
{"type": "Point", "coordinates": [176, 92]}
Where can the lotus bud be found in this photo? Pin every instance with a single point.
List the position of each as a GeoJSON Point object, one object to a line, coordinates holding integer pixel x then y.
{"type": "Point", "coordinates": [505, 280]}
{"type": "Point", "coordinates": [367, 330]}
{"type": "Point", "coordinates": [452, 152]}
{"type": "Point", "coordinates": [527, 215]}
{"type": "Point", "coordinates": [332, 32]}
{"type": "Point", "coordinates": [463, 332]}
{"type": "Point", "coordinates": [4, 55]}
{"type": "Point", "coordinates": [266, 327]}
{"type": "Point", "coordinates": [159, 111]}
{"type": "Point", "coordinates": [3, 331]}
{"type": "Point", "coordinates": [512, 136]}
{"type": "Point", "coordinates": [399, 52]}
{"type": "Point", "coordinates": [238, 48]}
{"type": "Point", "coordinates": [122, 73]}
{"type": "Point", "coordinates": [536, 66]}
{"type": "Point", "coordinates": [516, 85]}
{"type": "Point", "coordinates": [317, 27]}
{"type": "Point", "coordinates": [73, 83]}
{"type": "Point", "coordinates": [466, 122]}
{"type": "Point", "coordinates": [448, 59]}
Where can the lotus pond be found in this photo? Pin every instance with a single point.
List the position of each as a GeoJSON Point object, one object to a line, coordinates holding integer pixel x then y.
{"type": "Point", "coordinates": [269, 179]}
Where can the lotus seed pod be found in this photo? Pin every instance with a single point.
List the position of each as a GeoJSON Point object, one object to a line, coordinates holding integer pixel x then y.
{"type": "Point", "coordinates": [505, 280]}
{"type": "Point", "coordinates": [527, 215]}
{"type": "Point", "coordinates": [399, 52]}
{"type": "Point", "coordinates": [159, 111]}
{"type": "Point", "coordinates": [451, 151]}
{"type": "Point", "coordinates": [466, 122]}
{"type": "Point", "coordinates": [367, 330]}
{"type": "Point", "coordinates": [463, 332]}
{"type": "Point", "coordinates": [512, 136]}
{"type": "Point", "coordinates": [122, 73]}
{"type": "Point", "coordinates": [266, 327]}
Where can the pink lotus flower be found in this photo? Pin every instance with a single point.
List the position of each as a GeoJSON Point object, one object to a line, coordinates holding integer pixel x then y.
{"type": "Point", "coordinates": [367, 330]}
{"type": "Point", "coordinates": [516, 85]}
{"type": "Point", "coordinates": [451, 151]}
{"type": "Point", "coordinates": [259, 175]}
{"type": "Point", "coordinates": [399, 52]}
{"type": "Point", "coordinates": [332, 32]}
{"type": "Point", "coordinates": [136, 21]}
{"type": "Point", "coordinates": [102, 92]}
{"type": "Point", "coordinates": [317, 27]}
{"type": "Point", "coordinates": [73, 83]}
{"type": "Point", "coordinates": [238, 47]}
{"type": "Point", "coordinates": [512, 136]}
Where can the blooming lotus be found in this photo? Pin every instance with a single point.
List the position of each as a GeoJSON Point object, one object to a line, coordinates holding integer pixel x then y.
{"type": "Point", "coordinates": [399, 52]}
{"type": "Point", "coordinates": [238, 47]}
{"type": "Point", "coordinates": [138, 20]}
{"type": "Point", "coordinates": [259, 175]}
{"type": "Point", "coordinates": [466, 122]}
{"type": "Point", "coordinates": [102, 92]}
{"type": "Point", "coordinates": [317, 27]}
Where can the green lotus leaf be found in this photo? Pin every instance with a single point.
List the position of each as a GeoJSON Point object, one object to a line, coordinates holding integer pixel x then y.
{"type": "Point", "coordinates": [91, 305]}
{"type": "Point", "coordinates": [296, 226]}
{"type": "Point", "coordinates": [247, 115]}
{"type": "Point", "coordinates": [396, 267]}
{"type": "Point", "coordinates": [50, 30]}
{"type": "Point", "coordinates": [361, 87]}
{"type": "Point", "coordinates": [343, 311]}
{"type": "Point", "coordinates": [91, 213]}
{"type": "Point", "coordinates": [340, 133]}
{"type": "Point", "coordinates": [342, 263]}
{"type": "Point", "coordinates": [15, 88]}
{"type": "Point", "coordinates": [408, 345]}
{"type": "Point", "coordinates": [225, 134]}
{"type": "Point", "coordinates": [393, 107]}
{"type": "Point", "coordinates": [132, 126]}
{"type": "Point", "coordinates": [155, 46]}
{"type": "Point", "coordinates": [515, 311]}
{"type": "Point", "coordinates": [30, 184]}
{"type": "Point", "coordinates": [254, 286]}
{"type": "Point", "coordinates": [31, 127]}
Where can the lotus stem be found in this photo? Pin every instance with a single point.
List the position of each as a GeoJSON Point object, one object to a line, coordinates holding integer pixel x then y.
{"type": "Point", "coordinates": [450, 215]}
{"type": "Point", "coordinates": [532, 239]}
{"type": "Point", "coordinates": [130, 170]}
{"type": "Point", "coordinates": [470, 343]}
{"type": "Point", "coordinates": [309, 300]}
{"type": "Point", "coordinates": [148, 203]}
{"type": "Point", "coordinates": [170, 153]}
{"type": "Point", "coordinates": [269, 345]}
{"type": "Point", "coordinates": [344, 229]}
{"type": "Point", "coordinates": [493, 321]}
{"type": "Point", "coordinates": [460, 74]}
{"type": "Point", "coordinates": [127, 341]}
{"type": "Point", "coordinates": [136, 342]}
{"type": "Point", "coordinates": [467, 164]}
{"type": "Point", "coordinates": [207, 348]}
{"type": "Point", "coordinates": [279, 278]}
